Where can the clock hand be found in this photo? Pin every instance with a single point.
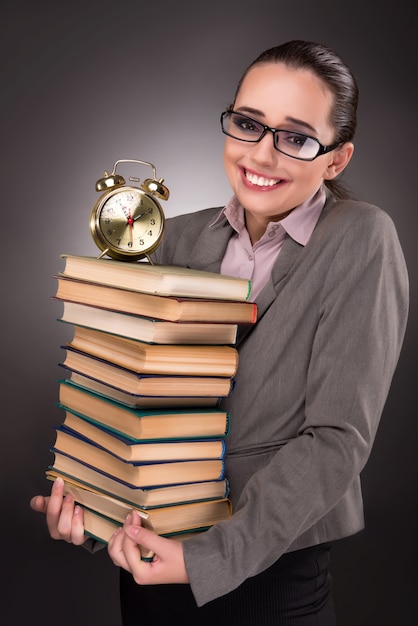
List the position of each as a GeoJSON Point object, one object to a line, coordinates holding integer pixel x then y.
{"type": "Point", "coordinates": [141, 214]}
{"type": "Point", "coordinates": [131, 225]}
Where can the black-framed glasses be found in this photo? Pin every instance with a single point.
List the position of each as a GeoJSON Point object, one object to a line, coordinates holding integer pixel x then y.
{"type": "Point", "coordinates": [289, 142]}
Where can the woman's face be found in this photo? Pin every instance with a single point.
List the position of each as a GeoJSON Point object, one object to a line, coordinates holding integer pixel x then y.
{"type": "Point", "coordinates": [290, 99]}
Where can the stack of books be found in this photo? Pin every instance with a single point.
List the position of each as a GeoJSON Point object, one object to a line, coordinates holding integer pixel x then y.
{"type": "Point", "coordinates": [151, 356]}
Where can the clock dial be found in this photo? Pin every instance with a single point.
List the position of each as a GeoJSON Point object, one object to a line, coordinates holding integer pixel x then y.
{"type": "Point", "coordinates": [127, 223]}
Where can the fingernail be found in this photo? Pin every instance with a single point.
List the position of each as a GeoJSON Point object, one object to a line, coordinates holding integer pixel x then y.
{"type": "Point", "coordinates": [132, 531]}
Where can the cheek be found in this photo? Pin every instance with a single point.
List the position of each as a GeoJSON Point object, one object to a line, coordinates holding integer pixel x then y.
{"type": "Point", "coordinates": [230, 159]}
{"type": "Point", "coordinates": [233, 150]}
{"type": "Point", "coordinates": [312, 174]}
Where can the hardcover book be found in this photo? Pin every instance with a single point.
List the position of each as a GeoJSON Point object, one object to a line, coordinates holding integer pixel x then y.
{"type": "Point", "coordinates": [163, 520]}
{"type": "Point", "coordinates": [140, 423]}
{"type": "Point", "coordinates": [101, 528]}
{"type": "Point", "coordinates": [146, 384]}
{"type": "Point", "coordinates": [137, 401]}
{"type": "Point", "coordinates": [147, 329]}
{"type": "Point", "coordinates": [169, 308]}
{"type": "Point", "coordinates": [174, 359]}
{"type": "Point", "coordinates": [134, 473]}
{"type": "Point", "coordinates": [147, 497]}
{"type": "Point", "coordinates": [165, 280]}
{"type": "Point", "coordinates": [138, 450]}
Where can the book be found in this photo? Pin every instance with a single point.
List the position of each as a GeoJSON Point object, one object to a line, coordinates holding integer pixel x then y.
{"type": "Point", "coordinates": [166, 280]}
{"type": "Point", "coordinates": [132, 473]}
{"type": "Point", "coordinates": [169, 308]}
{"type": "Point", "coordinates": [187, 360]}
{"type": "Point", "coordinates": [143, 424]}
{"type": "Point", "coordinates": [138, 450]}
{"type": "Point", "coordinates": [148, 497]}
{"type": "Point", "coordinates": [101, 528]}
{"type": "Point", "coordinates": [146, 384]}
{"type": "Point", "coordinates": [147, 329]}
{"type": "Point", "coordinates": [163, 520]}
{"type": "Point", "coordinates": [136, 401]}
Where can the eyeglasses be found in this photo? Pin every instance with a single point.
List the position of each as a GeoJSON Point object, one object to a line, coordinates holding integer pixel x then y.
{"type": "Point", "coordinates": [289, 142]}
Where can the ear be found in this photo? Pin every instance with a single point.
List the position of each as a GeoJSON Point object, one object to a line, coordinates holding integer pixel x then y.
{"type": "Point", "coordinates": [340, 159]}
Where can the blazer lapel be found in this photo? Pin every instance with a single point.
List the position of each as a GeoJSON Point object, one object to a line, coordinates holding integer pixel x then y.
{"type": "Point", "coordinates": [288, 255]}
{"type": "Point", "coordinates": [208, 252]}
{"type": "Point", "coordinates": [210, 246]}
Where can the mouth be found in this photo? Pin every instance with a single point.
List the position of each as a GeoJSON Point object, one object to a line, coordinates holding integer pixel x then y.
{"type": "Point", "coordinates": [260, 181]}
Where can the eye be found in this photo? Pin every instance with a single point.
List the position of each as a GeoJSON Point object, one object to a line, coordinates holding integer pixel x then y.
{"type": "Point", "coordinates": [296, 140]}
{"type": "Point", "coordinates": [246, 125]}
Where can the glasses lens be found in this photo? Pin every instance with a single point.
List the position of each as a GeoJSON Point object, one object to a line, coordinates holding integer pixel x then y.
{"type": "Point", "coordinates": [296, 145]}
{"type": "Point", "coordinates": [241, 127]}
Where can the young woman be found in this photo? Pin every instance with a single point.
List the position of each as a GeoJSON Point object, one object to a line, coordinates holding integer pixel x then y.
{"type": "Point", "coordinates": [331, 287]}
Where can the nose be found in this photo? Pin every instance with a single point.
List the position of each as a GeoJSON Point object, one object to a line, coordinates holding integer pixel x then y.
{"type": "Point", "coordinates": [264, 152]}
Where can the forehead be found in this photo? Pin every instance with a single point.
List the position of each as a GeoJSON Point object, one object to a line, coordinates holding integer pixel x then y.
{"type": "Point", "coordinates": [279, 92]}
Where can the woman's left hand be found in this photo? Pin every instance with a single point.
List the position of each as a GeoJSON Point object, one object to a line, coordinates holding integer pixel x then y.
{"type": "Point", "coordinates": [167, 566]}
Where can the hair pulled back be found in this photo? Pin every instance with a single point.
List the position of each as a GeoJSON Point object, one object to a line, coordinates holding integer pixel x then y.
{"type": "Point", "coordinates": [335, 74]}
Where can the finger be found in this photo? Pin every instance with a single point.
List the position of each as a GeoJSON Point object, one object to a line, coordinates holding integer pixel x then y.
{"type": "Point", "coordinates": [134, 521]}
{"type": "Point", "coordinates": [137, 555]}
{"type": "Point", "coordinates": [141, 546]}
{"type": "Point", "coordinates": [39, 503]}
{"type": "Point", "coordinates": [64, 519]}
{"type": "Point", "coordinates": [55, 499]}
{"type": "Point", "coordinates": [167, 565]}
{"type": "Point", "coordinates": [115, 549]}
{"type": "Point", "coordinates": [70, 524]}
{"type": "Point", "coordinates": [78, 537]}
{"type": "Point", "coordinates": [59, 512]}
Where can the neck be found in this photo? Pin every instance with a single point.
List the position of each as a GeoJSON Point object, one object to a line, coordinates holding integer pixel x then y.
{"type": "Point", "coordinates": [256, 227]}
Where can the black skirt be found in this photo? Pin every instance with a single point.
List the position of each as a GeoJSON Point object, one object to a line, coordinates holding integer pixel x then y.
{"type": "Point", "coordinates": [295, 591]}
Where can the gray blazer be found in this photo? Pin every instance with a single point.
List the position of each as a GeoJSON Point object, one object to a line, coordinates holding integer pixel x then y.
{"type": "Point", "coordinates": [314, 373]}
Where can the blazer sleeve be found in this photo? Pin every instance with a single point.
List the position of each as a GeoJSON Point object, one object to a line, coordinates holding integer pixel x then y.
{"type": "Point", "coordinates": [363, 304]}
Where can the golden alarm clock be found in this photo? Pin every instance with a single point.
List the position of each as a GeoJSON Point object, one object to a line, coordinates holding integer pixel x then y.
{"type": "Point", "coordinates": [127, 222]}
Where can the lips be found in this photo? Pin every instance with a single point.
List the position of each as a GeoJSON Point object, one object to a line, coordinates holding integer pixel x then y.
{"type": "Point", "coordinates": [260, 181]}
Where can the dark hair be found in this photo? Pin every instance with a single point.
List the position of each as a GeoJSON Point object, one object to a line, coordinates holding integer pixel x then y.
{"type": "Point", "coordinates": [337, 76]}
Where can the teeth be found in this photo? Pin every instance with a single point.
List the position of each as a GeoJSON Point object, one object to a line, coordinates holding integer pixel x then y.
{"type": "Point", "coordinates": [260, 181]}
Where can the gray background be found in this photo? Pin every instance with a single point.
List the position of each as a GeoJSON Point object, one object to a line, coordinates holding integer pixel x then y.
{"type": "Point", "coordinates": [85, 83]}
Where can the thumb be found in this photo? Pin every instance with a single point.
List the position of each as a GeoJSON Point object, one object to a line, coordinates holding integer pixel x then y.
{"type": "Point", "coordinates": [139, 534]}
{"type": "Point", "coordinates": [150, 543]}
{"type": "Point", "coordinates": [167, 558]}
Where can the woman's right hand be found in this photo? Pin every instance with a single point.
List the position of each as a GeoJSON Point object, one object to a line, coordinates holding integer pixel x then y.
{"type": "Point", "coordinates": [63, 517]}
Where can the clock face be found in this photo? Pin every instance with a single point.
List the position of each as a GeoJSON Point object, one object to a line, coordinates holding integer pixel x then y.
{"type": "Point", "coordinates": [127, 223]}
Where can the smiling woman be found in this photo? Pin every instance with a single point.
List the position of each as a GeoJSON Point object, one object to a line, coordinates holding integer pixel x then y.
{"type": "Point", "coordinates": [289, 166]}
{"type": "Point", "coordinates": [314, 370]}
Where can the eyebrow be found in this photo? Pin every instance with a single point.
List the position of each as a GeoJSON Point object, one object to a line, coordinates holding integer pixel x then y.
{"type": "Point", "coordinates": [292, 120]}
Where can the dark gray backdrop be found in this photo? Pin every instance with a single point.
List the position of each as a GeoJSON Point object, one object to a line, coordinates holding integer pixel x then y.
{"type": "Point", "coordinates": [85, 83]}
